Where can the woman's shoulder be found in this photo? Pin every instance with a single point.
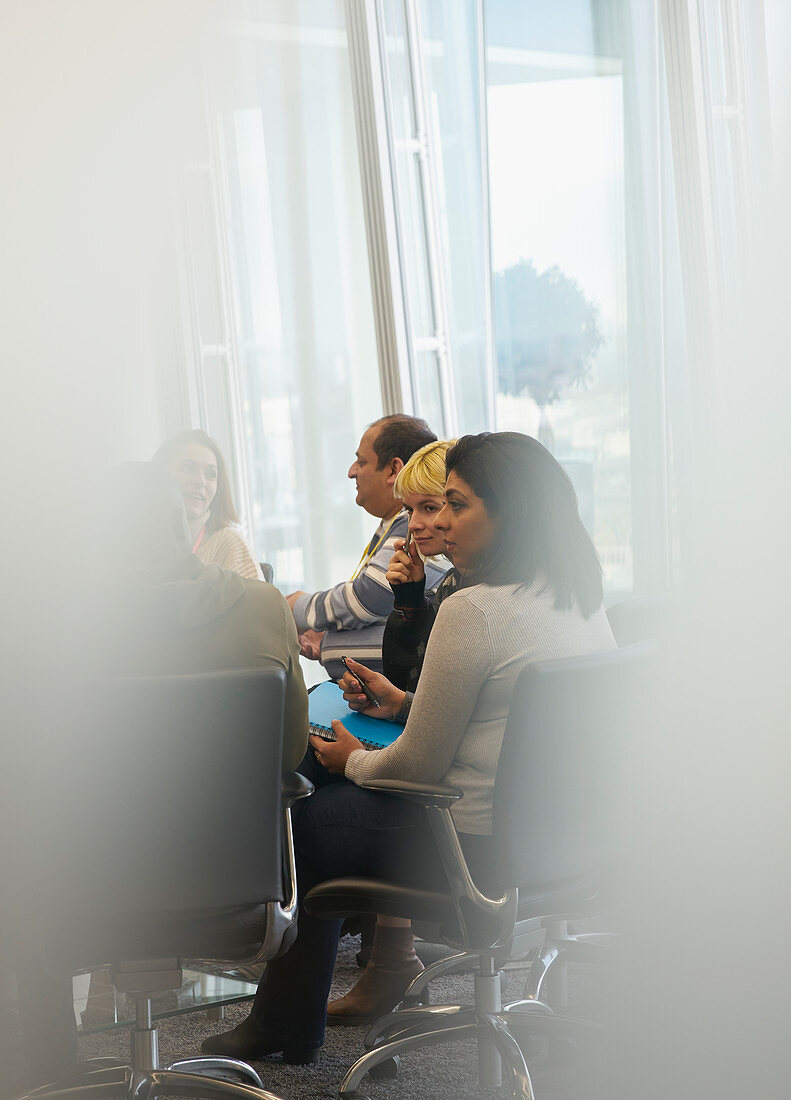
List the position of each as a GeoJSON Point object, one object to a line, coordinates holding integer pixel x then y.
{"type": "Point", "coordinates": [513, 600]}
{"type": "Point", "coordinates": [225, 536]}
{"type": "Point", "coordinates": [227, 547]}
{"type": "Point", "coordinates": [487, 595]}
{"type": "Point", "coordinates": [467, 601]}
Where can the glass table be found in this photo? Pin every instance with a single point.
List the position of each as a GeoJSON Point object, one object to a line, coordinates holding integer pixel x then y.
{"type": "Point", "coordinates": [99, 1007]}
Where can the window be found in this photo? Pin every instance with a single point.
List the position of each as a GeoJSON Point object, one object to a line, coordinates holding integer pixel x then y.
{"type": "Point", "coordinates": [300, 330]}
{"type": "Point", "coordinates": [533, 185]}
{"type": "Point", "coordinates": [432, 62]}
{"type": "Point", "coordinates": [557, 177]}
{"type": "Point", "coordinates": [536, 249]}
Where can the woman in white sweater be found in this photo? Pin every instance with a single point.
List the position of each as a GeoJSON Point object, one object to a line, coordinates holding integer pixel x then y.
{"type": "Point", "coordinates": [532, 591]}
{"type": "Point", "coordinates": [196, 462]}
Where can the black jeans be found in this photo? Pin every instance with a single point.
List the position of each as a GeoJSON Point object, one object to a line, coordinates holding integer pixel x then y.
{"type": "Point", "coordinates": [340, 830]}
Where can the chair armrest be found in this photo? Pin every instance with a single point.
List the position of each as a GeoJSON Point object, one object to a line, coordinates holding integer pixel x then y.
{"type": "Point", "coordinates": [293, 787]}
{"type": "Point", "coordinates": [479, 916]}
{"type": "Point", "coordinates": [425, 794]}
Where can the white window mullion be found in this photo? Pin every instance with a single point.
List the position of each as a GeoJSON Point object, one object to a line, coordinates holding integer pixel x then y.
{"type": "Point", "coordinates": [201, 176]}
{"type": "Point", "coordinates": [490, 358]}
{"type": "Point", "coordinates": [374, 145]}
{"type": "Point", "coordinates": [690, 139]}
{"type": "Point", "coordinates": [230, 351]}
{"type": "Point", "coordinates": [426, 154]}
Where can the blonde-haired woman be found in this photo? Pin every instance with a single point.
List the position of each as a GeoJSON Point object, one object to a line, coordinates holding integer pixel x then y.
{"type": "Point", "coordinates": [196, 462]}
{"type": "Point", "coordinates": [420, 486]}
{"type": "Point", "coordinates": [393, 962]}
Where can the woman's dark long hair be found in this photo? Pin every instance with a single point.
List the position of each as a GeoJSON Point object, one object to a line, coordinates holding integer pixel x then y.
{"type": "Point", "coordinates": [538, 530]}
{"type": "Point", "coordinates": [222, 512]}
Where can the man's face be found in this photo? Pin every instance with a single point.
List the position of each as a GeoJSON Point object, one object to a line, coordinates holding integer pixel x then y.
{"type": "Point", "coordinates": [374, 487]}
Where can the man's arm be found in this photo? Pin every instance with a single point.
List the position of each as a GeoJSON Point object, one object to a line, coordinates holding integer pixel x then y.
{"type": "Point", "coordinates": [352, 604]}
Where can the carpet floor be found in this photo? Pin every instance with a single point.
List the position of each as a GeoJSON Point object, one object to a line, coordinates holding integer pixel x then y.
{"type": "Point", "coordinates": [447, 1072]}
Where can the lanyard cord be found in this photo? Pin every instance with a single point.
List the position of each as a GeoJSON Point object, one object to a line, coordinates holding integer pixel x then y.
{"type": "Point", "coordinates": [369, 553]}
{"type": "Point", "coordinates": [199, 539]}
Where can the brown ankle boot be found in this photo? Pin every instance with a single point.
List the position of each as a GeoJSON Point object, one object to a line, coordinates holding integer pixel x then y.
{"type": "Point", "coordinates": [392, 966]}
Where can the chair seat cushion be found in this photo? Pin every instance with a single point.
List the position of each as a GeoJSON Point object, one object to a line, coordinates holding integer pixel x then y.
{"type": "Point", "coordinates": [564, 900]}
{"type": "Point", "coordinates": [340, 897]}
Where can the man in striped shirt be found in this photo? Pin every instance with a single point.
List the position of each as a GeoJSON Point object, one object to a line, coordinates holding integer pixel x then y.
{"type": "Point", "coordinates": [349, 618]}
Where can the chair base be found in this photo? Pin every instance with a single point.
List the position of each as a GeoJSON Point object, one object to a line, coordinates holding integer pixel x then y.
{"type": "Point", "coordinates": [488, 1030]}
{"type": "Point", "coordinates": [126, 1083]}
{"type": "Point", "coordinates": [414, 1027]}
{"type": "Point", "coordinates": [145, 1078]}
{"type": "Point", "coordinates": [418, 992]}
{"type": "Point", "coordinates": [559, 947]}
{"type": "Point", "coordinates": [500, 1036]}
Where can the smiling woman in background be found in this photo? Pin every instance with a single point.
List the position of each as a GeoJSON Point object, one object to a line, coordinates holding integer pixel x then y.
{"type": "Point", "coordinates": [195, 460]}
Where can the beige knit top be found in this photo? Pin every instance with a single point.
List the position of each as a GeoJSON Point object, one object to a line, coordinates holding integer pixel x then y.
{"type": "Point", "coordinates": [482, 639]}
{"type": "Point", "coordinates": [228, 549]}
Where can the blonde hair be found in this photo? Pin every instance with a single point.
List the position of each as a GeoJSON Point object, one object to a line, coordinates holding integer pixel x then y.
{"type": "Point", "coordinates": [425, 471]}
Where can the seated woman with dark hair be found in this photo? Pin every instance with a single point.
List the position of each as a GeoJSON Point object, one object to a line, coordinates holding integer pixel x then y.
{"type": "Point", "coordinates": [195, 460]}
{"type": "Point", "coordinates": [532, 590]}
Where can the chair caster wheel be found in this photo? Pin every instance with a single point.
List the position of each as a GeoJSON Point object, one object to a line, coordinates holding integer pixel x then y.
{"type": "Point", "coordinates": [386, 1070]}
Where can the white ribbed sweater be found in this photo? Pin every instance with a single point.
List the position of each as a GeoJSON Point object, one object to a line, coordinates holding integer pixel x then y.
{"type": "Point", "coordinates": [227, 548]}
{"type": "Point", "coordinates": [482, 639]}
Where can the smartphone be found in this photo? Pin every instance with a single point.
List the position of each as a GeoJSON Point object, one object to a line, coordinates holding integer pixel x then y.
{"type": "Point", "coordinates": [369, 695]}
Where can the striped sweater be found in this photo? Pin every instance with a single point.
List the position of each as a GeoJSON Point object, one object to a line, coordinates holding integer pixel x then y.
{"type": "Point", "coordinates": [353, 613]}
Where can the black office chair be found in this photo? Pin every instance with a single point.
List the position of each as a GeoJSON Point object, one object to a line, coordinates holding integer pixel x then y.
{"type": "Point", "coordinates": [642, 618]}
{"type": "Point", "coordinates": [561, 815]}
{"type": "Point", "coordinates": [632, 621]}
{"type": "Point", "coordinates": [179, 846]}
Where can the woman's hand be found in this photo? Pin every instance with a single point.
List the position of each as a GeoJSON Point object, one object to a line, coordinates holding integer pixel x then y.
{"type": "Point", "coordinates": [387, 695]}
{"type": "Point", "coordinates": [406, 565]}
{"type": "Point", "coordinates": [333, 755]}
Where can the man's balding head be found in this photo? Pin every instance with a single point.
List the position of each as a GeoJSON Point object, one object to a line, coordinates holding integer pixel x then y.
{"type": "Point", "coordinates": [385, 447]}
{"type": "Point", "coordinates": [399, 436]}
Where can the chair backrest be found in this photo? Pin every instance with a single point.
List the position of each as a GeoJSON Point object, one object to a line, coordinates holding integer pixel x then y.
{"type": "Point", "coordinates": [573, 745]}
{"type": "Point", "coordinates": [640, 619]}
{"type": "Point", "coordinates": [177, 806]}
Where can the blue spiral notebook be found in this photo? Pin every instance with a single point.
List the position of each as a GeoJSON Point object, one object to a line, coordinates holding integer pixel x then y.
{"type": "Point", "coordinates": [326, 702]}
